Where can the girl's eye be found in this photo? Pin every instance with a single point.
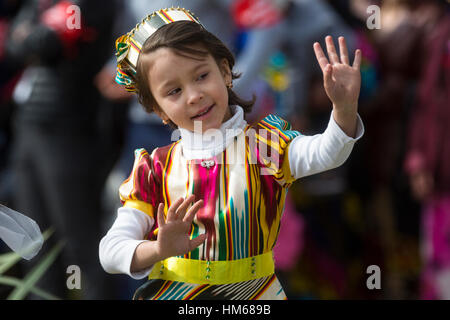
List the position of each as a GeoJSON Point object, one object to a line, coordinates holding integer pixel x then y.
{"type": "Point", "coordinates": [203, 76]}
{"type": "Point", "coordinates": [174, 91]}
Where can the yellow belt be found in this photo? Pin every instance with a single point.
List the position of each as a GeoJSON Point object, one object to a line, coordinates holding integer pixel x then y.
{"type": "Point", "coordinates": [214, 272]}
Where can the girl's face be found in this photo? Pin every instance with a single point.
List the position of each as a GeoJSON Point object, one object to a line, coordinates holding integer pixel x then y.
{"type": "Point", "coordinates": [189, 90]}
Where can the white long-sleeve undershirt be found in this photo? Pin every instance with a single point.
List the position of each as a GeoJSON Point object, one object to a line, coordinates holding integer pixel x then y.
{"type": "Point", "coordinates": [309, 155]}
{"type": "Point", "coordinates": [117, 247]}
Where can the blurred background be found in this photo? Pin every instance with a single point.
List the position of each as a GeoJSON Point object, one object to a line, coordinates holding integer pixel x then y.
{"type": "Point", "coordinates": [67, 135]}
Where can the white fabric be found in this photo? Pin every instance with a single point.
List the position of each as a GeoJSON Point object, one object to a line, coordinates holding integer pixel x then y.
{"type": "Point", "coordinates": [117, 247]}
{"type": "Point", "coordinates": [20, 233]}
{"type": "Point", "coordinates": [212, 142]}
{"type": "Point", "coordinates": [313, 154]}
{"type": "Point", "coordinates": [307, 155]}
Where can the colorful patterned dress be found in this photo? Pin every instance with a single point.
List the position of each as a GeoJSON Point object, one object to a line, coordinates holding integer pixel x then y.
{"type": "Point", "coordinates": [244, 189]}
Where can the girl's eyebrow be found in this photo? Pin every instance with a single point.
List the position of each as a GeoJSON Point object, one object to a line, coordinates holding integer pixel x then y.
{"type": "Point", "coordinates": [198, 66]}
{"type": "Point", "coordinates": [166, 84]}
{"type": "Point", "coordinates": [169, 83]}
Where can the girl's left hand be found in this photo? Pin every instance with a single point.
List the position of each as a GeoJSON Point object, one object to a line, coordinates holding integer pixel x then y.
{"type": "Point", "coordinates": [342, 82]}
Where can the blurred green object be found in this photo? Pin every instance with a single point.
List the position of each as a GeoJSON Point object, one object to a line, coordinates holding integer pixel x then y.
{"type": "Point", "coordinates": [276, 72]}
{"type": "Point", "coordinates": [23, 287]}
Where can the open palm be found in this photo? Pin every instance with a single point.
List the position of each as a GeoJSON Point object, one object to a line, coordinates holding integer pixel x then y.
{"type": "Point", "coordinates": [173, 233]}
{"type": "Point", "coordinates": [342, 82]}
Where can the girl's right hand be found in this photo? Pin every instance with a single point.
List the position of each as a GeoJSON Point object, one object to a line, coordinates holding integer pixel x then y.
{"type": "Point", "coordinates": [173, 232]}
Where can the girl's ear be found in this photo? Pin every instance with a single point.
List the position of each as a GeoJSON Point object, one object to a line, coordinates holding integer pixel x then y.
{"type": "Point", "coordinates": [225, 70]}
{"type": "Point", "coordinates": [165, 119]}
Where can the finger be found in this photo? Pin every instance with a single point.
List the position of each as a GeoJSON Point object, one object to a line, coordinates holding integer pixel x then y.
{"type": "Point", "coordinates": [320, 56]}
{"type": "Point", "coordinates": [181, 211]}
{"type": "Point", "coordinates": [328, 76]}
{"type": "Point", "coordinates": [194, 243]}
{"type": "Point", "coordinates": [192, 211]}
{"type": "Point", "coordinates": [357, 61]}
{"type": "Point", "coordinates": [343, 51]}
{"type": "Point", "coordinates": [331, 49]}
{"type": "Point", "coordinates": [171, 213]}
{"type": "Point", "coordinates": [160, 215]}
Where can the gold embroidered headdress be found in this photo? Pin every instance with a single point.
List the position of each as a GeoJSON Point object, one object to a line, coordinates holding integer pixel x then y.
{"type": "Point", "coordinates": [129, 45]}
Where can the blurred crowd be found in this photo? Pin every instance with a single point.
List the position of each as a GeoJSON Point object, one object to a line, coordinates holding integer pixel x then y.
{"type": "Point", "coordinates": [68, 131]}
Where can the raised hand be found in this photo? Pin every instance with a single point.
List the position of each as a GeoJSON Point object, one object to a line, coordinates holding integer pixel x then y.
{"type": "Point", "coordinates": [342, 82]}
{"type": "Point", "coordinates": [173, 234]}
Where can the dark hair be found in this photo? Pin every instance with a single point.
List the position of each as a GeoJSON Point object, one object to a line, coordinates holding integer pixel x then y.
{"type": "Point", "coordinates": [181, 36]}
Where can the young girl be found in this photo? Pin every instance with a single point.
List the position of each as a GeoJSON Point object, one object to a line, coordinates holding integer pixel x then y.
{"type": "Point", "coordinates": [200, 216]}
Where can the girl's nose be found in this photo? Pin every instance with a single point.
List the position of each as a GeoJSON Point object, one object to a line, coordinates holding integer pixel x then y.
{"type": "Point", "coordinates": [194, 95]}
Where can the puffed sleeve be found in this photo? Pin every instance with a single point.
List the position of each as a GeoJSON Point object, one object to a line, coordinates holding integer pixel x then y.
{"type": "Point", "coordinates": [268, 142]}
{"type": "Point", "coordinates": [142, 189]}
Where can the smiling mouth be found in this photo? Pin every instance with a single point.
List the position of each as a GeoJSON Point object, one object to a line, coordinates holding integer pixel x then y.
{"type": "Point", "coordinates": [203, 113]}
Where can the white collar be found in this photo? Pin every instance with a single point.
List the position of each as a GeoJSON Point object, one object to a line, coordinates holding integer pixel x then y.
{"type": "Point", "coordinates": [212, 142]}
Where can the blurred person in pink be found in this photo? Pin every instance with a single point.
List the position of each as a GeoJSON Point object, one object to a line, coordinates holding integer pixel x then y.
{"type": "Point", "coordinates": [427, 158]}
